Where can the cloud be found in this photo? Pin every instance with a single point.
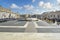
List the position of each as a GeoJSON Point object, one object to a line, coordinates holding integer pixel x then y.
{"type": "Point", "coordinates": [28, 7]}
{"type": "Point", "coordinates": [41, 3]}
{"type": "Point", "coordinates": [37, 11]}
{"type": "Point", "coordinates": [47, 5]}
{"type": "Point", "coordinates": [15, 6]}
{"type": "Point", "coordinates": [58, 1]}
{"type": "Point", "coordinates": [33, 0]}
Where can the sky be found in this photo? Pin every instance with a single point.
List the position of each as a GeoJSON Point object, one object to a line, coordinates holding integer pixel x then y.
{"type": "Point", "coordinates": [31, 6]}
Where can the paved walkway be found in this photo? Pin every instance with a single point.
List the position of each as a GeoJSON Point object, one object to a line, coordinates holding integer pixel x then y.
{"type": "Point", "coordinates": [29, 36]}
{"type": "Point", "coordinates": [31, 27]}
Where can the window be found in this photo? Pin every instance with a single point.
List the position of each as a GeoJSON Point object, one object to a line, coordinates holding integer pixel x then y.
{"type": "Point", "coordinates": [54, 15]}
{"type": "Point", "coordinates": [51, 15]}
{"type": "Point", "coordinates": [58, 16]}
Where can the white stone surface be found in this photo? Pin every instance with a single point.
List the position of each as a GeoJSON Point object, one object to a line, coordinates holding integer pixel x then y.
{"type": "Point", "coordinates": [29, 36]}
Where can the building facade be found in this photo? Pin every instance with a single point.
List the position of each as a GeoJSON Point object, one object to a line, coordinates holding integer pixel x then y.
{"type": "Point", "coordinates": [7, 13]}
{"type": "Point", "coordinates": [51, 15]}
